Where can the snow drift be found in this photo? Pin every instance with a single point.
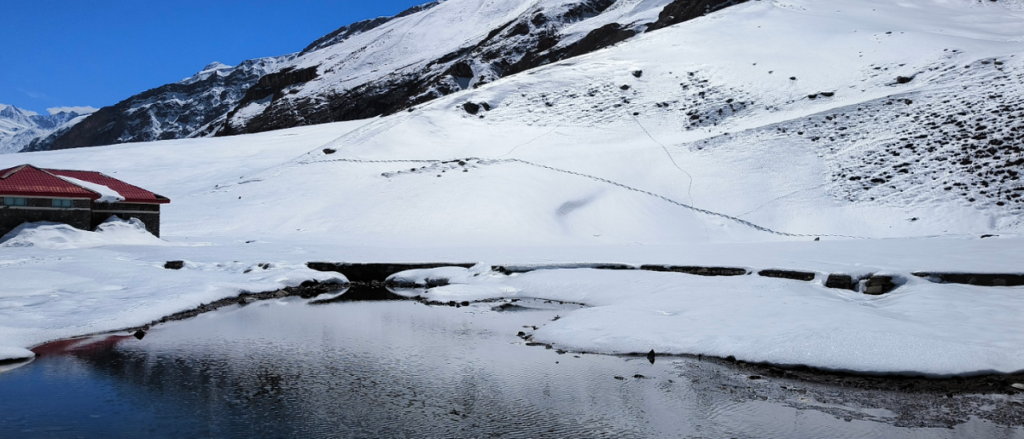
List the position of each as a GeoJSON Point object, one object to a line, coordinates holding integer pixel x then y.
{"type": "Point", "coordinates": [114, 231]}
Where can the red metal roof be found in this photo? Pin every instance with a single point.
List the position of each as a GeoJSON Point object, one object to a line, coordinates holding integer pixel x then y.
{"type": "Point", "coordinates": [29, 181]}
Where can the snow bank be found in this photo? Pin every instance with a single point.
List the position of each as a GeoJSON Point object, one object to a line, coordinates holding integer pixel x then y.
{"type": "Point", "coordinates": [920, 328]}
{"type": "Point", "coordinates": [114, 231]}
{"type": "Point", "coordinates": [8, 353]}
{"type": "Point", "coordinates": [49, 296]}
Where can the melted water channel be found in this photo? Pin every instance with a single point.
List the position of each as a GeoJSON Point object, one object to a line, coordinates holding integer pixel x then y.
{"type": "Point", "coordinates": [287, 368]}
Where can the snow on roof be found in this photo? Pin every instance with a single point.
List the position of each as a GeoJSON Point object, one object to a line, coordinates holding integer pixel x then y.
{"type": "Point", "coordinates": [107, 195]}
{"type": "Point", "coordinates": [28, 180]}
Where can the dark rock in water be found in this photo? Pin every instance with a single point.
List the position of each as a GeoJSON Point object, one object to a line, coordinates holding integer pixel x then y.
{"type": "Point", "coordinates": [471, 108]}
{"type": "Point", "coordinates": [139, 334]}
{"type": "Point", "coordinates": [329, 151]}
{"type": "Point", "coordinates": [651, 356]}
{"type": "Point", "coordinates": [174, 265]}
{"type": "Point", "coordinates": [638, 73]}
{"type": "Point", "coordinates": [904, 79]}
{"type": "Point", "coordinates": [788, 274]}
{"type": "Point", "coordinates": [439, 282]}
{"type": "Point", "coordinates": [839, 281]}
{"type": "Point", "coordinates": [878, 285]}
{"type": "Point", "coordinates": [373, 271]}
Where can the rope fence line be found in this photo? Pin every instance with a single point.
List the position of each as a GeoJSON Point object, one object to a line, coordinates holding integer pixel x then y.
{"type": "Point", "coordinates": [484, 161]}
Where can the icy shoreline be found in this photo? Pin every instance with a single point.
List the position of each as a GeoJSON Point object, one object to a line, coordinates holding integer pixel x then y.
{"type": "Point", "coordinates": [921, 328]}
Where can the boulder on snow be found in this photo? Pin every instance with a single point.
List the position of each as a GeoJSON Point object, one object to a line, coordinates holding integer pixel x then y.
{"type": "Point", "coordinates": [471, 108]}
{"type": "Point", "coordinates": [878, 285]}
{"type": "Point", "coordinates": [174, 265]}
{"type": "Point", "coordinates": [840, 281]}
{"type": "Point", "coordinates": [788, 274]}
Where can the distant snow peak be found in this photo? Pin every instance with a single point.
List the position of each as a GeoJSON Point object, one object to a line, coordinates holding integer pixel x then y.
{"type": "Point", "coordinates": [77, 110]}
{"type": "Point", "coordinates": [20, 128]}
{"type": "Point", "coordinates": [216, 65]}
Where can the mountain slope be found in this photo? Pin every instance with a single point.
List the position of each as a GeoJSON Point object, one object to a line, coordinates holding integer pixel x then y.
{"type": "Point", "coordinates": [184, 109]}
{"type": "Point", "coordinates": [380, 66]}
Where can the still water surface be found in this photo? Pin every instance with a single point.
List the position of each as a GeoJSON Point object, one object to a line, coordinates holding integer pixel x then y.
{"type": "Point", "coordinates": [403, 369]}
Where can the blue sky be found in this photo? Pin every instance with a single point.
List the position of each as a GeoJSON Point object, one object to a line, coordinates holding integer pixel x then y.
{"type": "Point", "coordinates": [56, 53]}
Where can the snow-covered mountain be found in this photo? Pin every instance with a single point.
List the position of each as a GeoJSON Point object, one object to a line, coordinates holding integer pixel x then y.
{"type": "Point", "coordinates": [380, 66]}
{"type": "Point", "coordinates": [21, 128]}
{"type": "Point", "coordinates": [192, 107]}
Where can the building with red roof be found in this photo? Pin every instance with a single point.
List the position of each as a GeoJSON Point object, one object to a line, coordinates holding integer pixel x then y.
{"type": "Point", "coordinates": [82, 199]}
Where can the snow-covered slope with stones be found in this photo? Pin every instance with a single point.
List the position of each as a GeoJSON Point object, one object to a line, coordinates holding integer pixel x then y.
{"type": "Point", "coordinates": [20, 128]}
{"type": "Point", "coordinates": [861, 118]}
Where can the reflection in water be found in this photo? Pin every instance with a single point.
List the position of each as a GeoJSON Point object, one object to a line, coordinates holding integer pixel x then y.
{"type": "Point", "coordinates": [401, 369]}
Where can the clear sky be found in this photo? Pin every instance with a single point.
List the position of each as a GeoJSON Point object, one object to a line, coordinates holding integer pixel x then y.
{"type": "Point", "coordinates": [56, 53]}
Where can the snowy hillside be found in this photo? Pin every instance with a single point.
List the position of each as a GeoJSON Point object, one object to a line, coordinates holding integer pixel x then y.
{"type": "Point", "coordinates": [21, 128]}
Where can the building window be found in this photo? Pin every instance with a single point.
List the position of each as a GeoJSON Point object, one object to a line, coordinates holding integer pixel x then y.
{"type": "Point", "coordinates": [63, 203]}
{"type": "Point", "coordinates": [14, 201]}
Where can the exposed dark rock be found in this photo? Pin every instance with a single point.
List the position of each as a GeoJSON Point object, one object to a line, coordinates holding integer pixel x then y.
{"type": "Point", "coordinates": [788, 274]}
{"type": "Point", "coordinates": [700, 271]}
{"type": "Point", "coordinates": [471, 108]}
{"type": "Point", "coordinates": [878, 285]}
{"type": "Point", "coordinates": [509, 269]}
{"type": "Point", "coordinates": [140, 334]}
{"type": "Point", "coordinates": [586, 9]}
{"type": "Point", "coordinates": [329, 151]}
{"type": "Point", "coordinates": [980, 279]}
{"type": "Point", "coordinates": [840, 281]}
{"type": "Point", "coordinates": [461, 69]}
{"type": "Point", "coordinates": [638, 73]}
{"type": "Point", "coordinates": [684, 10]}
{"type": "Point", "coordinates": [651, 356]}
{"type": "Point", "coordinates": [904, 79]}
{"type": "Point", "coordinates": [174, 265]}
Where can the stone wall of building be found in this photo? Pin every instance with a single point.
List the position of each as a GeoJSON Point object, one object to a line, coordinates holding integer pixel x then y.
{"type": "Point", "coordinates": [40, 209]}
{"type": "Point", "coordinates": [149, 214]}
